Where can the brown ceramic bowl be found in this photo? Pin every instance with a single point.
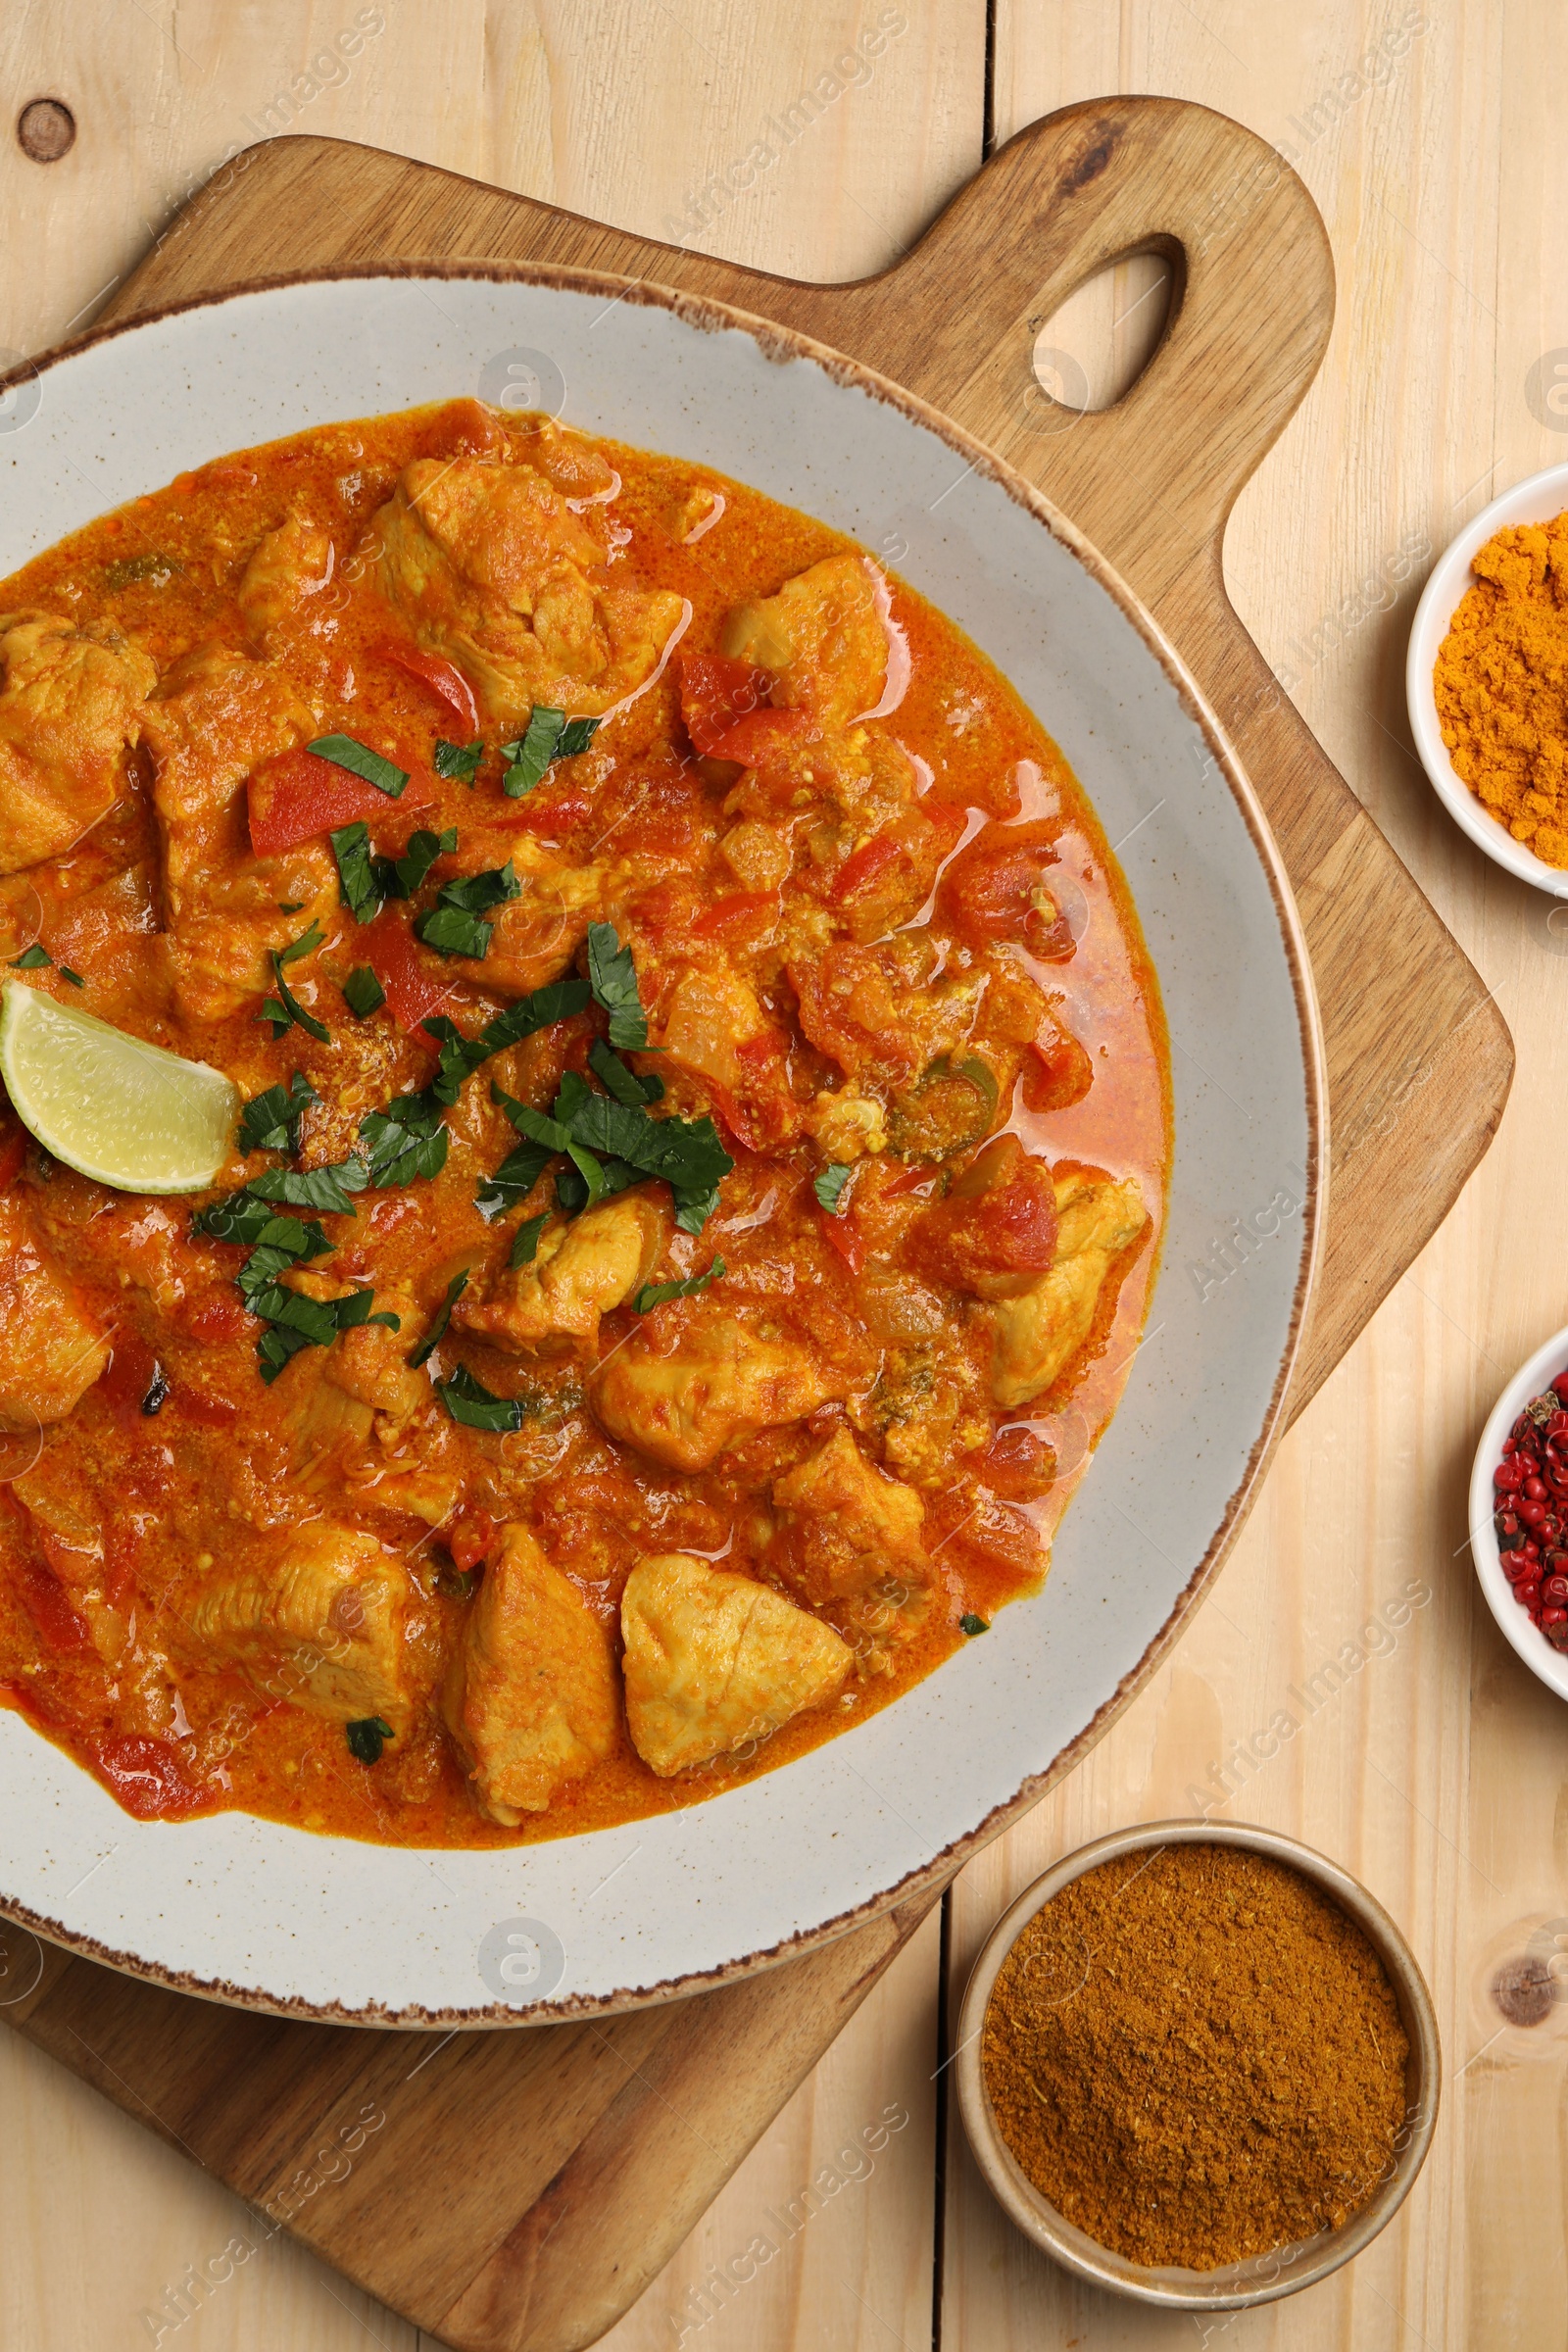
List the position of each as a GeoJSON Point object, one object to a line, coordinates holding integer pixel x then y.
{"type": "Point", "coordinates": [1265, 2277]}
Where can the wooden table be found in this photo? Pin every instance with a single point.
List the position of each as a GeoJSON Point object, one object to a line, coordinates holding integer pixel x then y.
{"type": "Point", "coordinates": [1434, 148]}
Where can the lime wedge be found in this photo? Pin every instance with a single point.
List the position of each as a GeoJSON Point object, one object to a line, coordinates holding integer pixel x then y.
{"type": "Point", "coordinates": [110, 1105]}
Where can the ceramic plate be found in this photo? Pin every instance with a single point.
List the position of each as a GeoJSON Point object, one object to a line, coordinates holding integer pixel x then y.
{"type": "Point", "coordinates": [250, 1911]}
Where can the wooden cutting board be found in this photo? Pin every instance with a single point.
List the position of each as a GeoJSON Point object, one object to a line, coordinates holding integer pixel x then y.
{"type": "Point", "coordinates": [586, 2190]}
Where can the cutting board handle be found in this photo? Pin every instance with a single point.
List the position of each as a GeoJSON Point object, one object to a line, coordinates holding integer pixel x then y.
{"type": "Point", "coordinates": [1154, 475]}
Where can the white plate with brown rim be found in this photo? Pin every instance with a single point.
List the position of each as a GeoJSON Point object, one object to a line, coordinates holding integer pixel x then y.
{"type": "Point", "coordinates": [255, 1912]}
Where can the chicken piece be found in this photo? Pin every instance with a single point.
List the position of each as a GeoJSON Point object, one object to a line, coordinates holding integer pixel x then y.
{"type": "Point", "coordinates": [531, 1697]}
{"type": "Point", "coordinates": [291, 565]}
{"type": "Point", "coordinates": [488, 566]}
{"type": "Point", "coordinates": [714, 1661]}
{"type": "Point", "coordinates": [683, 1400]}
{"type": "Point", "coordinates": [847, 1540]}
{"type": "Point", "coordinates": [69, 705]}
{"type": "Point", "coordinates": [218, 717]}
{"type": "Point", "coordinates": [1037, 1334]}
{"type": "Point", "coordinates": [369, 1363]}
{"type": "Point", "coordinates": [51, 1349]}
{"type": "Point", "coordinates": [824, 638]}
{"type": "Point", "coordinates": [715, 1025]}
{"type": "Point", "coordinates": [326, 1623]}
{"type": "Point", "coordinates": [534, 936]}
{"type": "Point", "coordinates": [579, 1272]}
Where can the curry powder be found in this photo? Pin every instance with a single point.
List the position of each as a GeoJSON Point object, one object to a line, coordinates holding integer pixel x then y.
{"type": "Point", "coordinates": [1196, 2057]}
{"type": "Point", "coordinates": [1501, 685]}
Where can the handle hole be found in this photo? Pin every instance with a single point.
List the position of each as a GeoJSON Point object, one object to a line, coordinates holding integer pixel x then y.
{"type": "Point", "coordinates": [1091, 352]}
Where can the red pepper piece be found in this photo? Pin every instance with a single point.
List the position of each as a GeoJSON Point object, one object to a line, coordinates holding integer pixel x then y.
{"type": "Point", "coordinates": [443, 678]}
{"type": "Point", "coordinates": [297, 795]}
{"type": "Point", "coordinates": [868, 865]}
{"type": "Point", "coordinates": [737, 913]}
{"type": "Point", "coordinates": [146, 1775]}
{"type": "Point", "coordinates": [49, 1608]}
{"type": "Point", "coordinates": [473, 1538]}
{"type": "Point", "coordinates": [412, 990]}
{"type": "Point", "coordinates": [715, 693]}
{"type": "Point", "coordinates": [840, 1233]}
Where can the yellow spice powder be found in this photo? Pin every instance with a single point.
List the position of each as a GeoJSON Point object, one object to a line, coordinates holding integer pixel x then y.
{"type": "Point", "coordinates": [1501, 685]}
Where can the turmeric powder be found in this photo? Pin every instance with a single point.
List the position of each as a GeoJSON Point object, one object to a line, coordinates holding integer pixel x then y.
{"type": "Point", "coordinates": [1197, 2056]}
{"type": "Point", "coordinates": [1501, 685]}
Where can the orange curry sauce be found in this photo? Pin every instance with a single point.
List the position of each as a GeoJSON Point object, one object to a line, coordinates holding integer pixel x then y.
{"type": "Point", "coordinates": [873, 944]}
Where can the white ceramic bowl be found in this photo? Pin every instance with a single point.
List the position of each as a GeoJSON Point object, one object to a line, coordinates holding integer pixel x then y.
{"type": "Point", "coordinates": [253, 1911]}
{"type": "Point", "coordinates": [1538, 1653]}
{"type": "Point", "coordinates": [1536, 498]}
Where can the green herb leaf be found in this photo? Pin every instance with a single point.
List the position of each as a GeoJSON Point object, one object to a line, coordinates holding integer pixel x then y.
{"type": "Point", "coordinates": [475, 1406]}
{"type": "Point", "coordinates": [612, 977]}
{"type": "Point", "coordinates": [532, 1124]}
{"type": "Point", "coordinates": [516, 1177]}
{"type": "Point", "coordinates": [362, 877]}
{"type": "Point", "coordinates": [284, 1009]}
{"type": "Point", "coordinates": [529, 757]}
{"type": "Point", "coordinates": [360, 760]}
{"type": "Point", "coordinates": [366, 1738]}
{"type": "Point", "coordinates": [75, 978]}
{"type": "Point", "coordinates": [575, 737]}
{"type": "Point", "coordinates": [363, 993]}
{"type": "Point", "coordinates": [687, 1153]}
{"type": "Point", "coordinates": [423, 849]}
{"type": "Point", "coordinates": [459, 762]}
{"type": "Point", "coordinates": [526, 1240]}
{"type": "Point", "coordinates": [828, 1185]}
{"type": "Point", "coordinates": [451, 932]}
{"type": "Point", "coordinates": [693, 1209]}
{"type": "Point", "coordinates": [476, 893]}
{"type": "Point", "coordinates": [31, 959]}
{"type": "Point", "coordinates": [971, 1624]}
{"type": "Point", "coordinates": [443, 1316]}
{"type": "Point", "coordinates": [270, 1121]}
{"type": "Point", "coordinates": [406, 1142]}
{"type": "Point", "coordinates": [326, 1190]}
{"type": "Point", "coordinates": [627, 1086]}
{"type": "Point", "coordinates": [658, 1294]}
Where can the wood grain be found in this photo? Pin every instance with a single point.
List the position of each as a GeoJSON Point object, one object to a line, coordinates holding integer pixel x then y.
{"type": "Point", "coordinates": [1438, 1775]}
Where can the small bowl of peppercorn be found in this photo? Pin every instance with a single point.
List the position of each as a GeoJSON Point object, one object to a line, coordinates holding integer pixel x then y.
{"type": "Point", "coordinates": [1198, 2065]}
{"type": "Point", "coordinates": [1519, 1512]}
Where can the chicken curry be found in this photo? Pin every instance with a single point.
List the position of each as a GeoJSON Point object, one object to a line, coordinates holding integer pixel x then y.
{"type": "Point", "coordinates": [703, 1123]}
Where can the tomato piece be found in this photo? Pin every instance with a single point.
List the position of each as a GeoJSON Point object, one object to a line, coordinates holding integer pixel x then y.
{"type": "Point", "coordinates": [48, 1606]}
{"type": "Point", "coordinates": [473, 1538]}
{"type": "Point", "coordinates": [840, 1232]}
{"type": "Point", "coordinates": [413, 990]}
{"type": "Point", "coordinates": [12, 1151]}
{"type": "Point", "coordinates": [552, 813]}
{"type": "Point", "coordinates": [133, 1370]}
{"type": "Point", "coordinates": [762, 736]}
{"type": "Point", "coordinates": [995, 1232]}
{"type": "Point", "coordinates": [715, 693]}
{"type": "Point", "coordinates": [997, 889]}
{"type": "Point", "coordinates": [442, 677]}
{"type": "Point", "coordinates": [146, 1775]}
{"type": "Point", "coordinates": [1017, 1465]}
{"type": "Point", "coordinates": [868, 866]}
{"type": "Point", "coordinates": [1057, 1072]}
{"type": "Point", "coordinates": [297, 795]}
{"type": "Point", "coordinates": [207, 1409]}
{"type": "Point", "coordinates": [221, 1315]}
{"type": "Point", "coordinates": [737, 913]}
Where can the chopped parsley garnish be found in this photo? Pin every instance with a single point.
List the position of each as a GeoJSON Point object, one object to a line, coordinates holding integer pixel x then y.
{"type": "Point", "coordinates": [75, 978]}
{"type": "Point", "coordinates": [424, 848]}
{"type": "Point", "coordinates": [828, 1185]}
{"type": "Point", "coordinates": [658, 1294]}
{"type": "Point", "coordinates": [31, 959]}
{"type": "Point", "coordinates": [461, 1056]}
{"type": "Point", "coordinates": [363, 993]}
{"type": "Point", "coordinates": [443, 1316]}
{"type": "Point", "coordinates": [971, 1624]}
{"type": "Point", "coordinates": [459, 762]}
{"type": "Point", "coordinates": [550, 736]}
{"type": "Point", "coordinates": [360, 760]}
{"type": "Point", "coordinates": [284, 1011]}
{"type": "Point", "coordinates": [475, 1406]}
{"type": "Point", "coordinates": [295, 1322]}
{"type": "Point", "coordinates": [526, 1240]}
{"type": "Point", "coordinates": [326, 1190]}
{"type": "Point", "coordinates": [456, 925]}
{"type": "Point", "coordinates": [270, 1121]}
{"type": "Point", "coordinates": [627, 1086]}
{"type": "Point", "coordinates": [366, 880]}
{"type": "Point", "coordinates": [406, 1142]}
{"type": "Point", "coordinates": [366, 1738]}
{"type": "Point", "coordinates": [612, 977]}
{"type": "Point", "coordinates": [610, 1144]}
{"type": "Point", "coordinates": [280, 1242]}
